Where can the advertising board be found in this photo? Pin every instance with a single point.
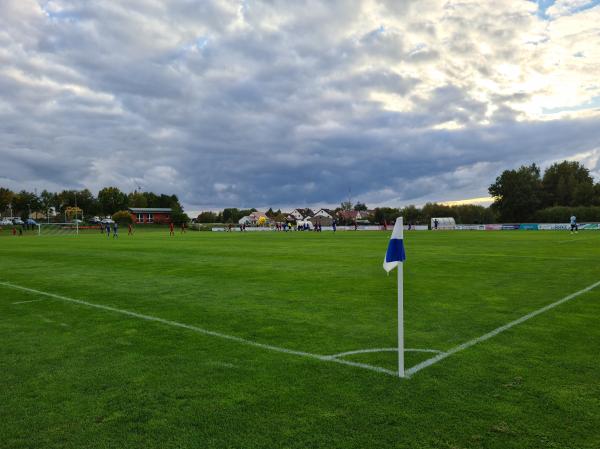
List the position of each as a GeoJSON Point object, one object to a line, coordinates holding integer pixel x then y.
{"type": "Point", "coordinates": [554, 227]}
{"type": "Point", "coordinates": [493, 227]}
{"type": "Point", "coordinates": [529, 226]}
{"type": "Point", "coordinates": [470, 227]}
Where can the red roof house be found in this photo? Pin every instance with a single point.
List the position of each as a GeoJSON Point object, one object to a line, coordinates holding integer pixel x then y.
{"type": "Point", "coordinates": [148, 215]}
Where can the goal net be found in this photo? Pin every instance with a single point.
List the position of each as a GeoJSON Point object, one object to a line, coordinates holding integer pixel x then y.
{"type": "Point", "coordinates": [58, 229]}
{"type": "Point", "coordinates": [445, 223]}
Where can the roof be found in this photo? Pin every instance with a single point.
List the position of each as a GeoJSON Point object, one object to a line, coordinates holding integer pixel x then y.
{"type": "Point", "coordinates": [327, 211]}
{"type": "Point", "coordinates": [305, 212]}
{"type": "Point", "coordinates": [257, 215]}
{"type": "Point", "coordinates": [348, 214]}
{"type": "Point", "coordinates": [141, 210]}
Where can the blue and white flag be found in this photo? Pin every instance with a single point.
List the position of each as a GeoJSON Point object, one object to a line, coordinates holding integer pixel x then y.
{"type": "Point", "coordinates": [395, 252]}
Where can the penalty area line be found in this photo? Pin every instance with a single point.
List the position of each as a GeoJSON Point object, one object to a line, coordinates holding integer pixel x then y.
{"type": "Point", "coordinates": [200, 330]}
{"type": "Point", "coordinates": [415, 369]}
{"type": "Point", "coordinates": [370, 350]}
{"type": "Point", "coordinates": [27, 302]}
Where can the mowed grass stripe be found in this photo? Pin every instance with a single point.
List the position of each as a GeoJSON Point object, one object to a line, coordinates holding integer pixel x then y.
{"type": "Point", "coordinates": [415, 369]}
{"type": "Point", "coordinates": [326, 358]}
{"type": "Point", "coordinates": [323, 358]}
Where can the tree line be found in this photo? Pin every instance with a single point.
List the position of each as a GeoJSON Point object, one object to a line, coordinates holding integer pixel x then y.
{"type": "Point", "coordinates": [565, 188]}
{"type": "Point", "coordinates": [520, 195]}
{"type": "Point", "coordinates": [108, 201]}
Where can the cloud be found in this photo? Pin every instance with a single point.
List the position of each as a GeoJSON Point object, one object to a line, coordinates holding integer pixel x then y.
{"type": "Point", "coordinates": [276, 104]}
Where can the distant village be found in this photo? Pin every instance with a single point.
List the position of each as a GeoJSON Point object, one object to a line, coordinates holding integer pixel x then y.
{"type": "Point", "coordinates": [521, 195]}
{"type": "Point", "coordinates": [306, 216]}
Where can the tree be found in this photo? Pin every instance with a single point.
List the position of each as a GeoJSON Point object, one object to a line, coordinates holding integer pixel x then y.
{"type": "Point", "coordinates": [567, 183]}
{"type": "Point", "coordinates": [583, 194]}
{"type": "Point", "coordinates": [411, 214]}
{"type": "Point", "coordinates": [6, 198]}
{"type": "Point", "coordinates": [230, 214]}
{"type": "Point", "coordinates": [517, 193]}
{"type": "Point", "coordinates": [385, 215]}
{"type": "Point", "coordinates": [207, 217]}
{"type": "Point", "coordinates": [173, 202]}
{"type": "Point", "coordinates": [25, 202]}
{"type": "Point", "coordinates": [178, 218]}
{"type": "Point", "coordinates": [596, 200]}
{"type": "Point", "coordinates": [84, 199]}
{"type": "Point", "coordinates": [472, 214]}
{"type": "Point", "coordinates": [360, 206]}
{"type": "Point", "coordinates": [137, 199]}
{"type": "Point", "coordinates": [48, 200]}
{"type": "Point", "coordinates": [111, 199]}
{"type": "Point", "coordinates": [432, 210]}
{"type": "Point", "coordinates": [346, 205]}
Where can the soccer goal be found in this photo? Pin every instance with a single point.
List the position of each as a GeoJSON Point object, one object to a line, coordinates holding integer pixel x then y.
{"type": "Point", "coordinates": [58, 228]}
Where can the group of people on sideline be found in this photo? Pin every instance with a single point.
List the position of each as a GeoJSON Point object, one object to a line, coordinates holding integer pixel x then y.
{"type": "Point", "coordinates": [115, 229]}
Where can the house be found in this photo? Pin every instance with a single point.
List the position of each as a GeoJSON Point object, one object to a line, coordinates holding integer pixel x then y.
{"type": "Point", "coordinates": [300, 214]}
{"type": "Point", "coordinates": [147, 215]}
{"type": "Point", "coordinates": [351, 216]}
{"type": "Point", "coordinates": [255, 218]}
{"type": "Point", "coordinates": [323, 216]}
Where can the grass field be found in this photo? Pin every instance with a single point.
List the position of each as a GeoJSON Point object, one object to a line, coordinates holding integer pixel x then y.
{"type": "Point", "coordinates": [132, 366]}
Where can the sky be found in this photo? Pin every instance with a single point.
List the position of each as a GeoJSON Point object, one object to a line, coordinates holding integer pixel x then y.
{"type": "Point", "coordinates": [291, 104]}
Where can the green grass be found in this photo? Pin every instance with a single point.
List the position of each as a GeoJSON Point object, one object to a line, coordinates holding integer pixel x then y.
{"type": "Point", "coordinates": [72, 376]}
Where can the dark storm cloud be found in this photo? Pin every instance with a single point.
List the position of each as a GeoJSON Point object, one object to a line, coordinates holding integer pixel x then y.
{"type": "Point", "coordinates": [272, 103]}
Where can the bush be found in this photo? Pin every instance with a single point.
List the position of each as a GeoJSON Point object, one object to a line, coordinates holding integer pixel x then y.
{"type": "Point", "coordinates": [122, 217]}
{"type": "Point", "coordinates": [179, 218]}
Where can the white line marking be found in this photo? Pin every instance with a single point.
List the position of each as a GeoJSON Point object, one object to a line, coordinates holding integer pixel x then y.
{"type": "Point", "coordinates": [468, 344]}
{"type": "Point", "coordinates": [574, 239]}
{"type": "Point", "coordinates": [512, 256]}
{"type": "Point", "coordinates": [200, 330]}
{"type": "Point", "coordinates": [366, 351]}
{"type": "Point", "coordinates": [26, 302]}
{"type": "Point", "coordinates": [325, 358]}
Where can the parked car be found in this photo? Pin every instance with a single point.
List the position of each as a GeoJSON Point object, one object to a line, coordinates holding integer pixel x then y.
{"type": "Point", "coordinates": [77, 221]}
{"type": "Point", "coordinates": [18, 221]}
{"type": "Point", "coordinates": [95, 220]}
{"type": "Point", "coordinates": [31, 222]}
{"type": "Point", "coordinates": [107, 221]}
{"type": "Point", "coordinates": [6, 222]}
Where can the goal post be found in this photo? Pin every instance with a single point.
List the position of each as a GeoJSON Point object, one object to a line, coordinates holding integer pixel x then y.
{"type": "Point", "coordinates": [49, 229]}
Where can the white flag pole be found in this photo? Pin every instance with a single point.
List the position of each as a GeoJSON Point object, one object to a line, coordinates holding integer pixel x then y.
{"type": "Point", "coordinates": [401, 313]}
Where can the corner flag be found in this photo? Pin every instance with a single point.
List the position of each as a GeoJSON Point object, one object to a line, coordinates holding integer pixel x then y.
{"type": "Point", "coordinates": [394, 255]}
{"type": "Point", "coordinates": [395, 252]}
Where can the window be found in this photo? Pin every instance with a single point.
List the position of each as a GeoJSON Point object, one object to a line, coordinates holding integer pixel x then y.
{"type": "Point", "coordinates": [140, 218]}
{"type": "Point", "coordinates": [150, 218]}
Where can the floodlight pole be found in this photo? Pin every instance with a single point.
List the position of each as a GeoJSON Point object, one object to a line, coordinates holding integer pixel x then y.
{"type": "Point", "coordinates": [400, 315]}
